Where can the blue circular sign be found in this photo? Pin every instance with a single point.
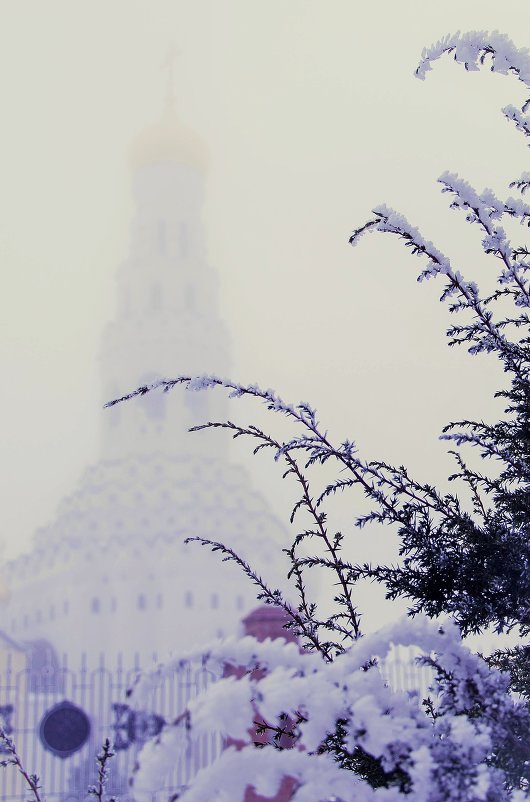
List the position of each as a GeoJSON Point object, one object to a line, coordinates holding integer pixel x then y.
{"type": "Point", "coordinates": [64, 729]}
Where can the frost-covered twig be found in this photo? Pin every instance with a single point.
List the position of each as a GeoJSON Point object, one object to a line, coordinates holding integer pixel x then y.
{"type": "Point", "coordinates": [303, 625]}
{"type": "Point", "coordinates": [102, 759]}
{"type": "Point", "coordinates": [353, 737]}
{"type": "Point", "coordinates": [32, 781]}
{"type": "Point", "coordinates": [484, 334]}
{"type": "Point", "coordinates": [475, 48]}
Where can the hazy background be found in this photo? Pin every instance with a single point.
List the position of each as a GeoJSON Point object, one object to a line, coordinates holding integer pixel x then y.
{"type": "Point", "coordinates": [312, 116]}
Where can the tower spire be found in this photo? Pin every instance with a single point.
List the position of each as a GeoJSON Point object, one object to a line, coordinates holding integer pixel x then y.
{"type": "Point", "coordinates": [168, 317]}
{"type": "Point", "coordinates": [169, 65]}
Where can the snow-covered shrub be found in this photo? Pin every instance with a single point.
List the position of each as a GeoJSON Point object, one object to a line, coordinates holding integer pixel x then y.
{"type": "Point", "coordinates": [353, 737]}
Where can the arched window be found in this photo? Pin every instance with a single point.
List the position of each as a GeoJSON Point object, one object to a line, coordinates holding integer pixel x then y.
{"type": "Point", "coordinates": [45, 674]}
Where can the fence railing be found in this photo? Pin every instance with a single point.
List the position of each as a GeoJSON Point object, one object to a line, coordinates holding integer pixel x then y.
{"type": "Point", "coordinates": [60, 717]}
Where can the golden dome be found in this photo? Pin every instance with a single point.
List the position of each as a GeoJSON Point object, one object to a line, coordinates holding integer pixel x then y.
{"type": "Point", "coordinates": [169, 140]}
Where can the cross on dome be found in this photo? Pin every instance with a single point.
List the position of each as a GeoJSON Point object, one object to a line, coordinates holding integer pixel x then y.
{"type": "Point", "coordinates": [168, 63]}
{"type": "Point", "coordinates": [169, 140]}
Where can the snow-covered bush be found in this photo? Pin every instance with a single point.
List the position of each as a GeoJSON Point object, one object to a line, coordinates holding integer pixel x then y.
{"type": "Point", "coordinates": [352, 736]}
{"type": "Point", "coordinates": [354, 739]}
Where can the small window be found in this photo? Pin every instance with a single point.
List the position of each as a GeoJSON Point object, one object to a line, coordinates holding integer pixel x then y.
{"type": "Point", "coordinates": [113, 604]}
{"type": "Point", "coordinates": [188, 599]}
{"type": "Point", "coordinates": [159, 601]}
{"type": "Point", "coordinates": [94, 605]}
{"type": "Point", "coordinates": [214, 601]}
{"type": "Point", "coordinates": [141, 602]}
{"type": "Point", "coordinates": [38, 616]}
{"type": "Point", "coordinates": [52, 613]}
{"type": "Point", "coordinates": [239, 603]}
{"type": "Point", "coordinates": [66, 607]}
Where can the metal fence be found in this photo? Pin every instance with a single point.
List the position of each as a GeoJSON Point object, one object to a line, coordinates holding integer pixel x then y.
{"type": "Point", "coordinates": [59, 719]}
{"type": "Point", "coordinates": [403, 672]}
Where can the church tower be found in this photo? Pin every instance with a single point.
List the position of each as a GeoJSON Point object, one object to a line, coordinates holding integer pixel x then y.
{"type": "Point", "coordinates": [112, 573]}
{"type": "Point", "coordinates": [168, 320]}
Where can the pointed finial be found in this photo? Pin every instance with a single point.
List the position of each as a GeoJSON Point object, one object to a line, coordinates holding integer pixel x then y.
{"type": "Point", "coordinates": [169, 65]}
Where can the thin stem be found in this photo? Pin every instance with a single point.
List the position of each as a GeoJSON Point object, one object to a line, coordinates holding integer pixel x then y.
{"type": "Point", "coordinates": [32, 781]}
{"type": "Point", "coordinates": [330, 547]}
{"type": "Point", "coordinates": [102, 759]}
{"type": "Point", "coordinates": [273, 597]}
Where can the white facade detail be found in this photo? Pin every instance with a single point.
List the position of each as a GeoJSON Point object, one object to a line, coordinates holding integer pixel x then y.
{"type": "Point", "coordinates": [112, 573]}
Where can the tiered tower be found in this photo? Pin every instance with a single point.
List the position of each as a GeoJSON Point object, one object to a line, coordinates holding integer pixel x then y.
{"type": "Point", "coordinates": [168, 320]}
{"type": "Point", "coordinates": [112, 574]}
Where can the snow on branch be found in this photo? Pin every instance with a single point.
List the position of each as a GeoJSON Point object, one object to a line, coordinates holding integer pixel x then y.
{"type": "Point", "coordinates": [522, 183]}
{"type": "Point", "coordinates": [483, 209]}
{"type": "Point", "coordinates": [422, 515]}
{"type": "Point", "coordinates": [484, 334]}
{"type": "Point", "coordinates": [346, 712]}
{"type": "Point", "coordinates": [247, 651]}
{"type": "Point", "coordinates": [349, 735]}
{"type": "Point", "coordinates": [316, 777]}
{"type": "Point", "coordinates": [475, 48]}
{"type": "Point", "coordinates": [522, 121]}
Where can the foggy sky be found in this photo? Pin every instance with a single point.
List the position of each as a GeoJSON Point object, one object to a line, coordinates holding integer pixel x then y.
{"type": "Point", "coordinates": [312, 116]}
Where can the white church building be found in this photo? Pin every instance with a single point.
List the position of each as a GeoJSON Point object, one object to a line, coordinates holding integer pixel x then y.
{"type": "Point", "coordinates": [111, 574]}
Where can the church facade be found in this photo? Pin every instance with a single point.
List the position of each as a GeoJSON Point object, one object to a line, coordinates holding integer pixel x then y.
{"type": "Point", "coordinates": [111, 574]}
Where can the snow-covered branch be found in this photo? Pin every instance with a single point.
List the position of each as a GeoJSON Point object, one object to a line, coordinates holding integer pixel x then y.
{"type": "Point", "coordinates": [443, 750]}
{"type": "Point", "coordinates": [476, 48]}
{"type": "Point", "coordinates": [351, 736]}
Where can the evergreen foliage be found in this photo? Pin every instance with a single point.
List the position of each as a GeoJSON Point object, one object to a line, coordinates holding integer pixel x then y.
{"type": "Point", "coordinates": [469, 739]}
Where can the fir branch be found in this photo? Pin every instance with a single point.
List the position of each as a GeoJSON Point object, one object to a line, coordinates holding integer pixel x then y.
{"type": "Point", "coordinates": [303, 626]}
